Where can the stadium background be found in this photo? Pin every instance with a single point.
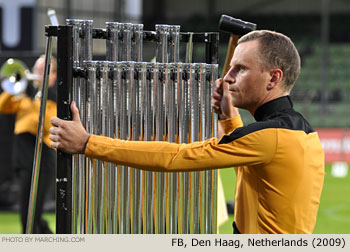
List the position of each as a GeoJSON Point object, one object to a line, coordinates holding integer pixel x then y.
{"type": "Point", "coordinates": [319, 29]}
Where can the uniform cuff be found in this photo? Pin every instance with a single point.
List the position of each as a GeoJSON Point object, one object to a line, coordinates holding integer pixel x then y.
{"type": "Point", "coordinates": [90, 144]}
{"type": "Point", "coordinates": [231, 124]}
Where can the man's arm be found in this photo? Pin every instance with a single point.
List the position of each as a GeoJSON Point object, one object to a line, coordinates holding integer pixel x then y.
{"type": "Point", "coordinates": [71, 137]}
{"type": "Point", "coordinates": [9, 104]}
{"type": "Point", "coordinates": [197, 156]}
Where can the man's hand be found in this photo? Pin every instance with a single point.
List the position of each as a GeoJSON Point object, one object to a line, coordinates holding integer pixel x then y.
{"type": "Point", "coordinates": [69, 136]}
{"type": "Point", "coordinates": [221, 101]}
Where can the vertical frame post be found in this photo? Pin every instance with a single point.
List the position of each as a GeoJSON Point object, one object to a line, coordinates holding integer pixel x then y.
{"type": "Point", "coordinates": [64, 160]}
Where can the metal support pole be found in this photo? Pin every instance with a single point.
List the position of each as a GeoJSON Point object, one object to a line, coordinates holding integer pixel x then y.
{"type": "Point", "coordinates": [39, 139]}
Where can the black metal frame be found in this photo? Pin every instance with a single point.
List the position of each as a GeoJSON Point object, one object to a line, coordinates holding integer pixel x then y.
{"type": "Point", "coordinates": [65, 75]}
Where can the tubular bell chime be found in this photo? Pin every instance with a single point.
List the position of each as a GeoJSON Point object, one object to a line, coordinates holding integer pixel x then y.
{"type": "Point", "coordinates": [124, 97]}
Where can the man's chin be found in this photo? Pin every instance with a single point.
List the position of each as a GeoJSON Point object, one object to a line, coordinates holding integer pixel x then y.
{"type": "Point", "coordinates": [237, 105]}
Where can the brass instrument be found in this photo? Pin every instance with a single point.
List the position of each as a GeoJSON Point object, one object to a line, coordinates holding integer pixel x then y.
{"type": "Point", "coordinates": [16, 76]}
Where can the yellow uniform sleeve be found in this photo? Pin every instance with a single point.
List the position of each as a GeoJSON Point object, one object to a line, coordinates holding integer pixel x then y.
{"type": "Point", "coordinates": [231, 124]}
{"type": "Point", "coordinates": [27, 113]}
{"type": "Point", "coordinates": [163, 156]}
{"type": "Point", "coordinates": [8, 103]}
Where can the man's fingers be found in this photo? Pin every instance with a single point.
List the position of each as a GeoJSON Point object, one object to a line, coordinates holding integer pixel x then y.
{"type": "Point", "coordinates": [53, 130]}
{"type": "Point", "coordinates": [54, 145]}
{"type": "Point", "coordinates": [218, 87]}
{"type": "Point", "coordinates": [55, 121]}
{"type": "Point", "coordinates": [225, 88]}
{"type": "Point", "coordinates": [54, 138]}
{"type": "Point", "coordinates": [217, 95]}
{"type": "Point", "coordinates": [75, 112]}
{"type": "Point", "coordinates": [216, 106]}
{"type": "Point", "coordinates": [218, 82]}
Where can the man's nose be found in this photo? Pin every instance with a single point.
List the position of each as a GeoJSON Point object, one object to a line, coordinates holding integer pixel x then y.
{"type": "Point", "coordinates": [229, 76]}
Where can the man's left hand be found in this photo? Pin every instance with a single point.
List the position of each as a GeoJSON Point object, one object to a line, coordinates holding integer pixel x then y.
{"type": "Point", "coordinates": [69, 136]}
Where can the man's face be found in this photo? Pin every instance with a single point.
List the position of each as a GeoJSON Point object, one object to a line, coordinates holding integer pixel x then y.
{"type": "Point", "coordinates": [247, 81]}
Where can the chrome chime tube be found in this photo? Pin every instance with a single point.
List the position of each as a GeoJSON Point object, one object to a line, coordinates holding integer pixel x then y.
{"type": "Point", "coordinates": [194, 90]}
{"type": "Point", "coordinates": [212, 175]}
{"type": "Point", "coordinates": [135, 122]}
{"type": "Point", "coordinates": [184, 135]}
{"type": "Point", "coordinates": [110, 172]}
{"type": "Point", "coordinates": [149, 80]}
{"type": "Point", "coordinates": [82, 50]}
{"type": "Point", "coordinates": [115, 125]}
{"type": "Point", "coordinates": [172, 125]}
{"type": "Point", "coordinates": [112, 47]}
{"type": "Point", "coordinates": [112, 41]}
{"type": "Point", "coordinates": [92, 101]}
{"type": "Point", "coordinates": [125, 36]}
{"type": "Point", "coordinates": [171, 106]}
{"type": "Point", "coordinates": [159, 106]}
{"type": "Point", "coordinates": [136, 134]}
{"type": "Point", "coordinates": [126, 71]}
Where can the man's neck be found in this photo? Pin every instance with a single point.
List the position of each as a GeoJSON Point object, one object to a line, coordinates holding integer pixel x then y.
{"type": "Point", "coordinates": [267, 99]}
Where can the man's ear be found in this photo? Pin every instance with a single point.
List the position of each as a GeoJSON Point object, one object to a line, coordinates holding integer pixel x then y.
{"type": "Point", "coordinates": [276, 78]}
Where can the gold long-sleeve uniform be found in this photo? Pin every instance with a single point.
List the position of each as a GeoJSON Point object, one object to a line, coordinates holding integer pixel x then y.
{"type": "Point", "coordinates": [279, 163]}
{"type": "Point", "coordinates": [27, 113]}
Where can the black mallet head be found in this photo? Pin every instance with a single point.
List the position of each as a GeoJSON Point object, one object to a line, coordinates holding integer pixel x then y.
{"type": "Point", "coordinates": [235, 26]}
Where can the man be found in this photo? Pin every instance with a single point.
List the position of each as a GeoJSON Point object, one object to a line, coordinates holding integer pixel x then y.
{"type": "Point", "coordinates": [26, 106]}
{"type": "Point", "coordinates": [278, 160]}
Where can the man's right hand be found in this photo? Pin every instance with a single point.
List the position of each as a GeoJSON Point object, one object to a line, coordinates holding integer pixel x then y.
{"type": "Point", "coordinates": [221, 101]}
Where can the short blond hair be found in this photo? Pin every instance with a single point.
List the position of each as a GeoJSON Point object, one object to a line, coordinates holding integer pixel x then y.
{"type": "Point", "coordinates": [276, 51]}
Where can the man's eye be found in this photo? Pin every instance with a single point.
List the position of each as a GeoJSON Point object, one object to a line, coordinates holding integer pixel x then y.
{"type": "Point", "coordinates": [241, 68]}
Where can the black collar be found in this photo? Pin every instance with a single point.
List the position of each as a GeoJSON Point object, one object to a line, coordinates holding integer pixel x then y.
{"type": "Point", "coordinates": [273, 106]}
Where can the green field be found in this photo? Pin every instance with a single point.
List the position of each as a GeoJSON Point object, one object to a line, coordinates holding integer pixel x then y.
{"type": "Point", "coordinates": [333, 216]}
